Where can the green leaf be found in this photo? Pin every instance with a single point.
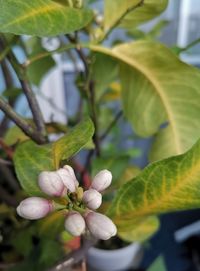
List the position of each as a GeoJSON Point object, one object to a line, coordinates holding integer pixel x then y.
{"type": "Point", "coordinates": [104, 71]}
{"type": "Point", "coordinates": [158, 265]}
{"type": "Point", "coordinates": [38, 69]}
{"type": "Point", "coordinates": [149, 10]}
{"type": "Point", "coordinates": [30, 159]}
{"type": "Point", "coordinates": [140, 231]}
{"type": "Point", "coordinates": [169, 185]}
{"type": "Point", "coordinates": [41, 18]}
{"type": "Point", "coordinates": [157, 89]}
{"type": "Point", "coordinates": [72, 142]}
{"type": "Point", "coordinates": [129, 13]}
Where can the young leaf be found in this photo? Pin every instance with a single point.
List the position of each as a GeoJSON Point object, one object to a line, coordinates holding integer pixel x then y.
{"type": "Point", "coordinates": [41, 18]}
{"type": "Point", "coordinates": [72, 142]}
{"type": "Point", "coordinates": [30, 159]}
{"type": "Point", "coordinates": [37, 70]}
{"type": "Point", "coordinates": [168, 185]}
{"type": "Point", "coordinates": [130, 13]}
{"type": "Point", "coordinates": [157, 89]}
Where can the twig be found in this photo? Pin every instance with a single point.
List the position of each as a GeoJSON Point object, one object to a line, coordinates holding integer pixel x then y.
{"type": "Point", "coordinates": [117, 117]}
{"type": "Point", "coordinates": [94, 117]}
{"type": "Point", "coordinates": [21, 123]}
{"type": "Point", "coordinates": [34, 106]}
{"type": "Point", "coordinates": [190, 45]}
{"type": "Point", "coordinates": [6, 50]}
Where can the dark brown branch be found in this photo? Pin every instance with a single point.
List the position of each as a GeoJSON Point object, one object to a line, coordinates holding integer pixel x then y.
{"type": "Point", "coordinates": [112, 124]}
{"type": "Point", "coordinates": [21, 123]}
{"type": "Point", "coordinates": [34, 106]}
{"type": "Point", "coordinates": [9, 84]}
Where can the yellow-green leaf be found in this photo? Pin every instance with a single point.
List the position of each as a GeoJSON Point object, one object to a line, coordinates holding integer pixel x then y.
{"type": "Point", "coordinates": [72, 142]}
{"type": "Point", "coordinates": [41, 17]}
{"type": "Point", "coordinates": [172, 184]}
{"type": "Point", "coordinates": [140, 231]}
{"type": "Point", "coordinates": [157, 89]}
{"type": "Point", "coordinates": [130, 13]}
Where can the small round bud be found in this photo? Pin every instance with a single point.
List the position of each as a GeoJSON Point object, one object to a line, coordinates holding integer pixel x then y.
{"type": "Point", "coordinates": [68, 177]}
{"type": "Point", "coordinates": [102, 180]}
{"type": "Point", "coordinates": [100, 225]}
{"type": "Point", "coordinates": [92, 198]}
{"type": "Point", "coordinates": [34, 208]}
{"type": "Point", "coordinates": [51, 184]}
{"type": "Point", "coordinates": [75, 224]}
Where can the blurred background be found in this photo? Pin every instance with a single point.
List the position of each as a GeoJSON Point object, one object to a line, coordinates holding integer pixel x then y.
{"type": "Point", "coordinates": [178, 239]}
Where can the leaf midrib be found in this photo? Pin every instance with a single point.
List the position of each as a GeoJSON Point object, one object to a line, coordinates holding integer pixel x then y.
{"type": "Point", "coordinates": [158, 88]}
{"type": "Point", "coordinates": [33, 13]}
{"type": "Point", "coordinates": [183, 181]}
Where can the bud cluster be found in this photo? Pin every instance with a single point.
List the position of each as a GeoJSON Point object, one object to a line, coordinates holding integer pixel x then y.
{"type": "Point", "coordinates": [80, 206]}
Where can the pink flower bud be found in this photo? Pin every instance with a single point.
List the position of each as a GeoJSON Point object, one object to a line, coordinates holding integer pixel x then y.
{"type": "Point", "coordinates": [100, 225]}
{"type": "Point", "coordinates": [102, 180]}
{"type": "Point", "coordinates": [75, 224]}
{"type": "Point", "coordinates": [92, 198]}
{"type": "Point", "coordinates": [68, 177]}
{"type": "Point", "coordinates": [34, 208]}
{"type": "Point", "coordinates": [51, 184]}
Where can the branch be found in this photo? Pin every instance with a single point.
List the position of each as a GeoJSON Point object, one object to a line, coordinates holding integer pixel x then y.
{"type": "Point", "coordinates": [32, 101]}
{"type": "Point", "coordinates": [21, 123]}
{"type": "Point", "coordinates": [112, 124]}
{"type": "Point", "coordinates": [6, 50]}
{"type": "Point", "coordinates": [190, 45]}
{"type": "Point", "coordinates": [94, 117]}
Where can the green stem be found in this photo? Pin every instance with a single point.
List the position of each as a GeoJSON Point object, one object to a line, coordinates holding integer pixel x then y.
{"type": "Point", "coordinates": [190, 45]}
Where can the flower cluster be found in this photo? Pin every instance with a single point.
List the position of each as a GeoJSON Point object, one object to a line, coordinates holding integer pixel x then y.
{"type": "Point", "coordinates": [79, 205]}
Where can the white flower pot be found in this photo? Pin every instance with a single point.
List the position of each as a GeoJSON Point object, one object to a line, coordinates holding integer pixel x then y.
{"type": "Point", "coordinates": [115, 260]}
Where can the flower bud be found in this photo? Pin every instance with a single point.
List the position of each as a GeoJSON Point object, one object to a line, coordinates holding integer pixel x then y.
{"type": "Point", "coordinates": [75, 224]}
{"type": "Point", "coordinates": [68, 177]}
{"type": "Point", "coordinates": [34, 208]}
{"type": "Point", "coordinates": [51, 184]}
{"type": "Point", "coordinates": [102, 180]}
{"type": "Point", "coordinates": [92, 198]}
{"type": "Point", "coordinates": [100, 225]}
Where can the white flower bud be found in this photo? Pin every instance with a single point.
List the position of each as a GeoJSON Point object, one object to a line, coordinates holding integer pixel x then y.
{"type": "Point", "coordinates": [100, 225]}
{"type": "Point", "coordinates": [34, 208]}
{"type": "Point", "coordinates": [51, 184]}
{"type": "Point", "coordinates": [68, 177]}
{"type": "Point", "coordinates": [75, 224]}
{"type": "Point", "coordinates": [102, 180]}
{"type": "Point", "coordinates": [92, 198]}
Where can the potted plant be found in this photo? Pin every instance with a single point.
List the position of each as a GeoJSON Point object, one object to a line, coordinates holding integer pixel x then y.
{"type": "Point", "coordinates": [47, 166]}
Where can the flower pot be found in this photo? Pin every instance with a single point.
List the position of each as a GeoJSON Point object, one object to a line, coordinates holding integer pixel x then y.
{"type": "Point", "coordinates": [114, 260]}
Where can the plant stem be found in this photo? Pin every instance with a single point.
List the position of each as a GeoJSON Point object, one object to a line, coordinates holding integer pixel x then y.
{"type": "Point", "coordinates": [94, 117]}
{"type": "Point", "coordinates": [6, 50]}
{"type": "Point", "coordinates": [190, 45]}
{"type": "Point", "coordinates": [20, 122]}
{"type": "Point", "coordinates": [117, 117]}
{"type": "Point", "coordinates": [31, 98]}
